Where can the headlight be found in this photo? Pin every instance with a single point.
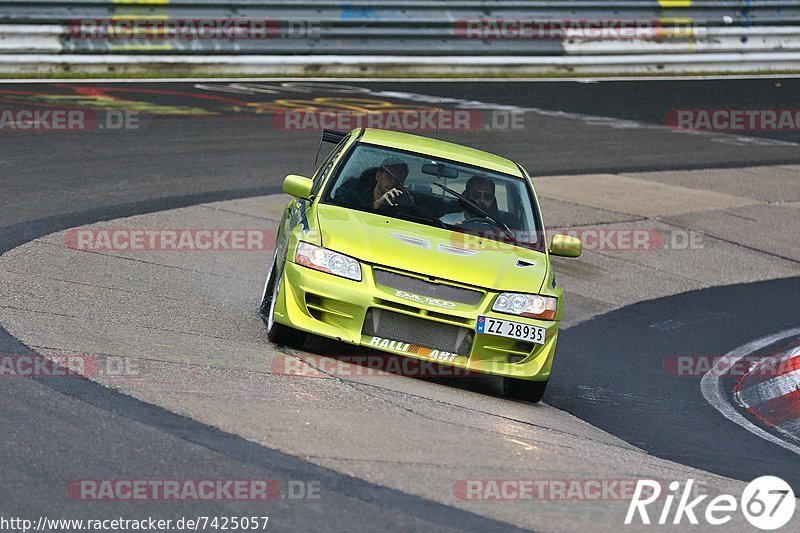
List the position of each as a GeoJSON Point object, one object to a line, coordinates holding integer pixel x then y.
{"type": "Point", "coordinates": [327, 261]}
{"type": "Point", "coordinates": [530, 305]}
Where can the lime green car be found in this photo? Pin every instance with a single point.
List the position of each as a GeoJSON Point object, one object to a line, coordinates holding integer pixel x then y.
{"type": "Point", "coordinates": [421, 248]}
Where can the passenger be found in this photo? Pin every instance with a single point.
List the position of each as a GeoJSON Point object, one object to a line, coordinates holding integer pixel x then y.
{"type": "Point", "coordinates": [480, 189]}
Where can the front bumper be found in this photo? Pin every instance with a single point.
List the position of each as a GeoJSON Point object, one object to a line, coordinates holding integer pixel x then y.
{"type": "Point", "coordinates": [372, 315]}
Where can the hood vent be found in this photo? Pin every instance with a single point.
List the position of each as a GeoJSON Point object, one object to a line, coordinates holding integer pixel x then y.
{"type": "Point", "coordinates": [413, 241]}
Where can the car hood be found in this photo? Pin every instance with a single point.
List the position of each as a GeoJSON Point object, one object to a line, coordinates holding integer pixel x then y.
{"type": "Point", "coordinates": [431, 251]}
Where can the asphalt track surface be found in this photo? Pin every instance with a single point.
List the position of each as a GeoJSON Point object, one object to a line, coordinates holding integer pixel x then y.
{"type": "Point", "coordinates": [631, 396]}
{"type": "Point", "coordinates": [56, 430]}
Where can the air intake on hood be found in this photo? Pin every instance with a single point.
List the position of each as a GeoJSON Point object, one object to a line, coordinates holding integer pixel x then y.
{"type": "Point", "coordinates": [426, 288]}
{"type": "Point", "coordinates": [413, 241]}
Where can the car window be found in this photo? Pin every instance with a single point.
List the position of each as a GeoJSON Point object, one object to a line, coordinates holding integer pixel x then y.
{"type": "Point", "coordinates": [507, 199]}
{"type": "Point", "coordinates": [328, 165]}
{"type": "Point", "coordinates": [364, 160]}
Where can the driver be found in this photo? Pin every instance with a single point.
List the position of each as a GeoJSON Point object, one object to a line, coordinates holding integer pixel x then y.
{"type": "Point", "coordinates": [381, 192]}
{"type": "Point", "coordinates": [480, 189]}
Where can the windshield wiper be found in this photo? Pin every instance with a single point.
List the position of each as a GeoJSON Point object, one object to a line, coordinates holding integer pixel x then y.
{"type": "Point", "coordinates": [472, 205]}
{"type": "Point", "coordinates": [419, 208]}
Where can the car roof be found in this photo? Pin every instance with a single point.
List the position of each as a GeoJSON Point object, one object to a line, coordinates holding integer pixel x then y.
{"type": "Point", "coordinates": [442, 149]}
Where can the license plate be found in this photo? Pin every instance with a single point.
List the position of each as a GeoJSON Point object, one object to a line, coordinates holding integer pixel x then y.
{"type": "Point", "coordinates": [512, 330]}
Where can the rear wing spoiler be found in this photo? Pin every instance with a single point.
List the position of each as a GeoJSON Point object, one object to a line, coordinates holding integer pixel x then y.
{"type": "Point", "coordinates": [329, 136]}
{"type": "Point", "coordinates": [333, 136]}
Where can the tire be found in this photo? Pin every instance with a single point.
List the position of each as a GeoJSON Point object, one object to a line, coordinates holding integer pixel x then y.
{"type": "Point", "coordinates": [520, 389]}
{"type": "Point", "coordinates": [277, 333]}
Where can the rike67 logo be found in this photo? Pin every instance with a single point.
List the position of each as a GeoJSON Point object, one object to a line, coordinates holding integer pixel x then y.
{"type": "Point", "coordinates": [767, 503]}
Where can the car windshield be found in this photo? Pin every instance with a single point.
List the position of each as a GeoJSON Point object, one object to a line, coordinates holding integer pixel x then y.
{"type": "Point", "coordinates": [436, 192]}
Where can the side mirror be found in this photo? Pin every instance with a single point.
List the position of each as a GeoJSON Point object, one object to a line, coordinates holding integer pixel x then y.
{"type": "Point", "coordinates": [298, 186]}
{"type": "Point", "coordinates": [565, 246]}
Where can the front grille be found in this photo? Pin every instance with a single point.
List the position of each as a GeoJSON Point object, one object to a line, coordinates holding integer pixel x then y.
{"type": "Point", "coordinates": [425, 288]}
{"type": "Point", "coordinates": [413, 330]}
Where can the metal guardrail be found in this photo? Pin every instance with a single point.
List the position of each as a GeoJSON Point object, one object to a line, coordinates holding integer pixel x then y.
{"type": "Point", "coordinates": [706, 12]}
{"type": "Point", "coordinates": [417, 28]}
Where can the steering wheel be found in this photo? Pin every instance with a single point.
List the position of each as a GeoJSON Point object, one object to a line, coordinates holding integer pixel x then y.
{"type": "Point", "coordinates": [478, 223]}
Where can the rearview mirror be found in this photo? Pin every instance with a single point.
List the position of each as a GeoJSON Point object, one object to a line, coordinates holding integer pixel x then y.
{"type": "Point", "coordinates": [565, 246]}
{"type": "Point", "coordinates": [439, 170]}
{"type": "Point", "coordinates": [298, 186]}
